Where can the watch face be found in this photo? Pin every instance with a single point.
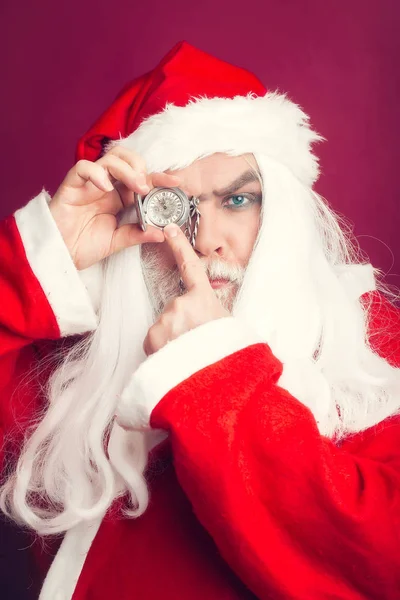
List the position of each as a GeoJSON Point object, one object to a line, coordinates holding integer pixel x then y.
{"type": "Point", "coordinates": [165, 206]}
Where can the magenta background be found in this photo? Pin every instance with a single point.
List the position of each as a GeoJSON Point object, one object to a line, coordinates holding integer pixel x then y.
{"type": "Point", "coordinates": [64, 62]}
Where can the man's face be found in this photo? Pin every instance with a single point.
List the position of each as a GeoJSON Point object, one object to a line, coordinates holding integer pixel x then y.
{"type": "Point", "coordinates": [230, 194]}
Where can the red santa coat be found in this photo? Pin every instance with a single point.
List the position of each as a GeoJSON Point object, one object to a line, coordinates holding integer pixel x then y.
{"type": "Point", "coordinates": [248, 500]}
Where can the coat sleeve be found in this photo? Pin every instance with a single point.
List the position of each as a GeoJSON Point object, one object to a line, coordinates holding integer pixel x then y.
{"type": "Point", "coordinates": [293, 514]}
{"type": "Point", "coordinates": [42, 297]}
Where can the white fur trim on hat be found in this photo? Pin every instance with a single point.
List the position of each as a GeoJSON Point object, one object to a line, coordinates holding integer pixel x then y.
{"type": "Point", "coordinates": [271, 125]}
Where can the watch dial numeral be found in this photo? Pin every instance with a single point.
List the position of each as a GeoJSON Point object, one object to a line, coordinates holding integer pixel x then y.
{"type": "Point", "coordinates": [164, 208]}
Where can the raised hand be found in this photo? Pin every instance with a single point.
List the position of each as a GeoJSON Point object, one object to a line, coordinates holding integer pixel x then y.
{"type": "Point", "coordinates": [198, 306]}
{"type": "Point", "coordinates": [86, 205]}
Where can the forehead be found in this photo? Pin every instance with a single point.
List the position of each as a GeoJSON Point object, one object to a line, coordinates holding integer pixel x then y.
{"type": "Point", "coordinates": [214, 172]}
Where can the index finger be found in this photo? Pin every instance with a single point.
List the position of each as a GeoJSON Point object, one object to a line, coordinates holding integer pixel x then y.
{"type": "Point", "coordinates": [189, 264]}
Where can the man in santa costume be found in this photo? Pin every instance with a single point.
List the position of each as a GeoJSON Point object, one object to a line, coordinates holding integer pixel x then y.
{"type": "Point", "coordinates": [209, 418]}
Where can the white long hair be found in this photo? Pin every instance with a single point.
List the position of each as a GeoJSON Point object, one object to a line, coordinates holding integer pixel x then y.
{"type": "Point", "coordinates": [296, 293]}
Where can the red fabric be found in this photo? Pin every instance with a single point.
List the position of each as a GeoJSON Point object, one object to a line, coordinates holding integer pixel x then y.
{"type": "Point", "coordinates": [28, 333]}
{"type": "Point", "coordinates": [165, 554]}
{"type": "Point", "coordinates": [184, 73]}
{"type": "Point", "coordinates": [293, 515]}
{"type": "Point", "coordinates": [248, 500]}
{"type": "Point", "coordinates": [276, 496]}
{"type": "Point", "coordinates": [25, 316]}
{"type": "Point", "coordinates": [384, 327]}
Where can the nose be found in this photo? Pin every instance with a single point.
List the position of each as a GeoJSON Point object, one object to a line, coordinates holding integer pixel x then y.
{"type": "Point", "coordinates": [211, 235]}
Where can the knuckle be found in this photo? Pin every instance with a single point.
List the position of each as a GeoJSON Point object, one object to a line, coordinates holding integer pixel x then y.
{"type": "Point", "coordinates": [117, 151]}
{"type": "Point", "coordinates": [82, 164]}
{"type": "Point", "coordinates": [111, 159]}
{"type": "Point", "coordinates": [152, 337]}
{"type": "Point", "coordinates": [138, 160]}
{"type": "Point", "coordinates": [147, 346]}
{"type": "Point", "coordinates": [188, 266]}
{"type": "Point", "coordinates": [129, 156]}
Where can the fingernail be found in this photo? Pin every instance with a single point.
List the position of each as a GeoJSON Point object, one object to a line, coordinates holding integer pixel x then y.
{"type": "Point", "coordinates": [171, 230]}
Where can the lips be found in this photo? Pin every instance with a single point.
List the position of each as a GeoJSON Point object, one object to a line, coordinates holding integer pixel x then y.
{"type": "Point", "coordinates": [217, 283]}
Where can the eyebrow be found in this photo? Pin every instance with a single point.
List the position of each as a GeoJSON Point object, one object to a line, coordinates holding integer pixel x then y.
{"type": "Point", "coordinates": [246, 177]}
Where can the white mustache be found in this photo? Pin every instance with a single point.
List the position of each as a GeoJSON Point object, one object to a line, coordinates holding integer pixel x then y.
{"type": "Point", "coordinates": [164, 284]}
{"type": "Point", "coordinates": [218, 269]}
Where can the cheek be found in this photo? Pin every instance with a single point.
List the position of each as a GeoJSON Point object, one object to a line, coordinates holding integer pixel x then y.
{"type": "Point", "coordinates": [244, 234]}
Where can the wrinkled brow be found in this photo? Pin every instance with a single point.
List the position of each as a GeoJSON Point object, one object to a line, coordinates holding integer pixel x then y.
{"type": "Point", "coordinates": [246, 177]}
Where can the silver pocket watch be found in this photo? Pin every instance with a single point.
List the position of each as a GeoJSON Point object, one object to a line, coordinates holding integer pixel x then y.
{"type": "Point", "coordinates": [165, 205]}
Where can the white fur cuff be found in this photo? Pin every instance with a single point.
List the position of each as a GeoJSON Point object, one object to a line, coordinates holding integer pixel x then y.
{"type": "Point", "coordinates": [177, 361]}
{"type": "Point", "coordinates": [52, 264]}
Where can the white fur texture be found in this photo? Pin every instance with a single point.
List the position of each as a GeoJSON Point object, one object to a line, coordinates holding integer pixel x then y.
{"type": "Point", "coordinates": [272, 125]}
{"type": "Point", "coordinates": [295, 296]}
{"type": "Point", "coordinates": [191, 352]}
{"type": "Point", "coordinates": [301, 295]}
{"type": "Point", "coordinates": [52, 265]}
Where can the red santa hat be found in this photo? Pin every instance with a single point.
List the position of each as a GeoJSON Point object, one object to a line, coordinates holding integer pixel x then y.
{"type": "Point", "coordinates": [193, 105]}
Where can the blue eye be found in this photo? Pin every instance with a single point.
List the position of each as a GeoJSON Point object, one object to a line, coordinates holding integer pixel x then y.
{"type": "Point", "coordinates": [243, 201]}
{"type": "Point", "coordinates": [238, 200]}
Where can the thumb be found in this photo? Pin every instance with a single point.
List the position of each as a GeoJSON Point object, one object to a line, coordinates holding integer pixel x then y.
{"type": "Point", "coordinates": [132, 234]}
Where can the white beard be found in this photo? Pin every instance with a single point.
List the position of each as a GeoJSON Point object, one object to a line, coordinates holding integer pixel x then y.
{"type": "Point", "coordinates": [163, 284]}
